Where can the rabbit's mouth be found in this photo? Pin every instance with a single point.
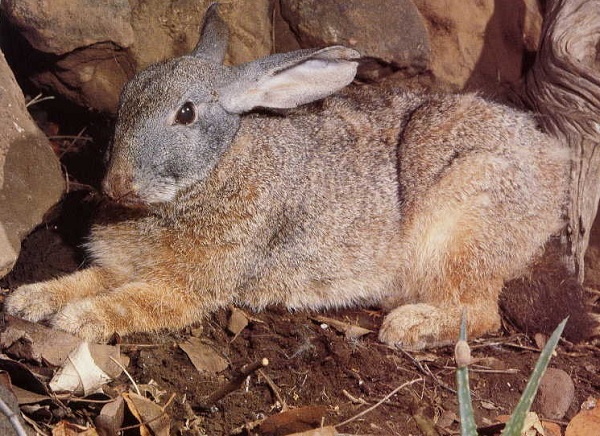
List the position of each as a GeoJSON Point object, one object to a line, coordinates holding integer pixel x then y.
{"type": "Point", "coordinates": [129, 200]}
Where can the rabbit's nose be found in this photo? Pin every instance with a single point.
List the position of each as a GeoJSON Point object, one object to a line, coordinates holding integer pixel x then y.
{"type": "Point", "coordinates": [120, 187]}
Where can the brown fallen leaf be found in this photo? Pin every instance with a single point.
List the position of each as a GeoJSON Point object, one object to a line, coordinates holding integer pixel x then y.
{"type": "Point", "coordinates": [203, 356]}
{"type": "Point", "coordinates": [322, 431]}
{"type": "Point", "coordinates": [551, 428]}
{"type": "Point", "coordinates": [237, 321]}
{"type": "Point", "coordinates": [152, 418]}
{"type": "Point", "coordinates": [151, 388]}
{"type": "Point", "coordinates": [586, 422]}
{"type": "Point", "coordinates": [111, 417]}
{"type": "Point", "coordinates": [35, 342]}
{"type": "Point", "coordinates": [351, 331]}
{"type": "Point", "coordinates": [28, 388]}
{"type": "Point", "coordinates": [64, 428]}
{"type": "Point", "coordinates": [531, 427]}
{"type": "Point", "coordinates": [293, 421]}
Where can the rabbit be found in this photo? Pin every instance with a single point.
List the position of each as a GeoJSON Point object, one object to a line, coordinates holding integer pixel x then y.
{"type": "Point", "coordinates": [273, 183]}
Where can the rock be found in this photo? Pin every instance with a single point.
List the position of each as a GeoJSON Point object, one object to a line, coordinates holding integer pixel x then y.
{"type": "Point", "coordinates": [60, 27]}
{"type": "Point", "coordinates": [91, 77]}
{"type": "Point", "coordinates": [175, 27]}
{"type": "Point", "coordinates": [87, 50]}
{"type": "Point", "coordinates": [30, 177]}
{"type": "Point", "coordinates": [480, 45]}
{"type": "Point", "coordinates": [555, 394]}
{"type": "Point", "coordinates": [393, 33]}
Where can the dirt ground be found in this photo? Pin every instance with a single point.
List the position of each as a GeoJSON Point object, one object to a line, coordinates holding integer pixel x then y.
{"type": "Point", "coordinates": [313, 368]}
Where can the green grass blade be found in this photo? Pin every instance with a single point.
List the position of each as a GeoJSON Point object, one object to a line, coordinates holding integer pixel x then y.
{"type": "Point", "coordinates": [465, 406]}
{"type": "Point", "coordinates": [514, 426]}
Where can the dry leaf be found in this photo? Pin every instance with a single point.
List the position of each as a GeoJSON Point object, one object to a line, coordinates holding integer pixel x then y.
{"type": "Point", "coordinates": [64, 428]}
{"type": "Point", "coordinates": [487, 405]}
{"type": "Point", "coordinates": [25, 384]}
{"type": "Point", "coordinates": [30, 341]}
{"type": "Point", "coordinates": [425, 424]}
{"type": "Point", "coordinates": [27, 397]}
{"type": "Point", "coordinates": [294, 420]}
{"type": "Point", "coordinates": [551, 428]}
{"type": "Point", "coordinates": [585, 423]}
{"type": "Point", "coordinates": [153, 389]}
{"type": "Point", "coordinates": [237, 321]}
{"type": "Point", "coordinates": [531, 427]}
{"type": "Point", "coordinates": [149, 414]}
{"type": "Point", "coordinates": [490, 362]}
{"type": "Point", "coordinates": [447, 418]}
{"type": "Point", "coordinates": [322, 431]}
{"type": "Point", "coordinates": [349, 330]}
{"type": "Point", "coordinates": [111, 416]}
{"type": "Point", "coordinates": [80, 374]}
{"type": "Point", "coordinates": [203, 356]}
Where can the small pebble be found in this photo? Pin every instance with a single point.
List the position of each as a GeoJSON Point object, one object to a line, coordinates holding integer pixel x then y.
{"type": "Point", "coordinates": [556, 393]}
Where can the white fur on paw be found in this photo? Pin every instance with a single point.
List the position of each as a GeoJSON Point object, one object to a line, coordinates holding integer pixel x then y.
{"type": "Point", "coordinates": [414, 326]}
{"type": "Point", "coordinates": [81, 318]}
{"type": "Point", "coordinates": [31, 302]}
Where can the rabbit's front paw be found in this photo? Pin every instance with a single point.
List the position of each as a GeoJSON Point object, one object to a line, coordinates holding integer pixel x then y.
{"type": "Point", "coordinates": [82, 318]}
{"type": "Point", "coordinates": [32, 302]}
{"type": "Point", "coordinates": [416, 326]}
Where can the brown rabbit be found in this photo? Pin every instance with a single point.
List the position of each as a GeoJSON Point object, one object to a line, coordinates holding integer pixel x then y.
{"type": "Point", "coordinates": [425, 204]}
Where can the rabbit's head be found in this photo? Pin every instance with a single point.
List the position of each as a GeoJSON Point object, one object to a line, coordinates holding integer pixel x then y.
{"type": "Point", "coordinates": [177, 117]}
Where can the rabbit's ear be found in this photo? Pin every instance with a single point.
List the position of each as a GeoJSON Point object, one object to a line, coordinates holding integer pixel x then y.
{"type": "Point", "coordinates": [290, 79]}
{"type": "Point", "coordinates": [212, 45]}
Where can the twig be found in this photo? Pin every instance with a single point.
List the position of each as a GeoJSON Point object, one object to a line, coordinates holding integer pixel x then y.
{"type": "Point", "coordinates": [160, 415]}
{"type": "Point", "coordinates": [168, 403]}
{"type": "Point", "coordinates": [426, 371]}
{"type": "Point", "coordinates": [274, 388]}
{"type": "Point", "coordinates": [354, 399]}
{"type": "Point", "coordinates": [234, 384]}
{"type": "Point", "coordinates": [13, 418]}
{"type": "Point", "coordinates": [70, 146]}
{"type": "Point", "coordinates": [487, 370]}
{"type": "Point", "coordinates": [247, 427]}
{"type": "Point", "coordinates": [120, 365]}
{"type": "Point", "coordinates": [76, 137]}
{"type": "Point", "coordinates": [38, 99]}
{"type": "Point", "coordinates": [380, 402]}
{"type": "Point", "coordinates": [39, 430]}
{"type": "Point", "coordinates": [140, 424]}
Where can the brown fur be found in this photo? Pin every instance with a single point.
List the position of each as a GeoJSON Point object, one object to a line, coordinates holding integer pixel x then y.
{"type": "Point", "coordinates": [259, 233]}
{"type": "Point", "coordinates": [425, 204]}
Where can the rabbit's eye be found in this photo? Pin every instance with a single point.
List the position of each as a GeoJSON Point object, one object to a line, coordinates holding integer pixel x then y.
{"type": "Point", "coordinates": [186, 114]}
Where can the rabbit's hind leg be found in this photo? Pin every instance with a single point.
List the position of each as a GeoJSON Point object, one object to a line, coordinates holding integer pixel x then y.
{"type": "Point", "coordinates": [449, 268]}
{"type": "Point", "coordinates": [461, 240]}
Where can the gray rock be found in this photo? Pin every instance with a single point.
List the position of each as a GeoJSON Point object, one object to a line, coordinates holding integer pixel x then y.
{"type": "Point", "coordinates": [61, 27]}
{"type": "Point", "coordinates": [30, 176]}
{"type": "Point", "coordinates": [392, 32]}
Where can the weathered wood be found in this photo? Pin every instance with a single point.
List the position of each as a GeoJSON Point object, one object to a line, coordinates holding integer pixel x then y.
{"type": "Point", "coordinates": [564, 88]}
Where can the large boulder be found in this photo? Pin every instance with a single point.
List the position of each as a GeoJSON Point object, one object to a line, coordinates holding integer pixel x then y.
{"type": "Point", "coordinates": [30, 177]}
{"type": "Point", "coordinates": [483, 44]}
{"type": "Point", "coordinates": [391, 33]}
{"type": "Point", "coordinates": [86, 50]}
